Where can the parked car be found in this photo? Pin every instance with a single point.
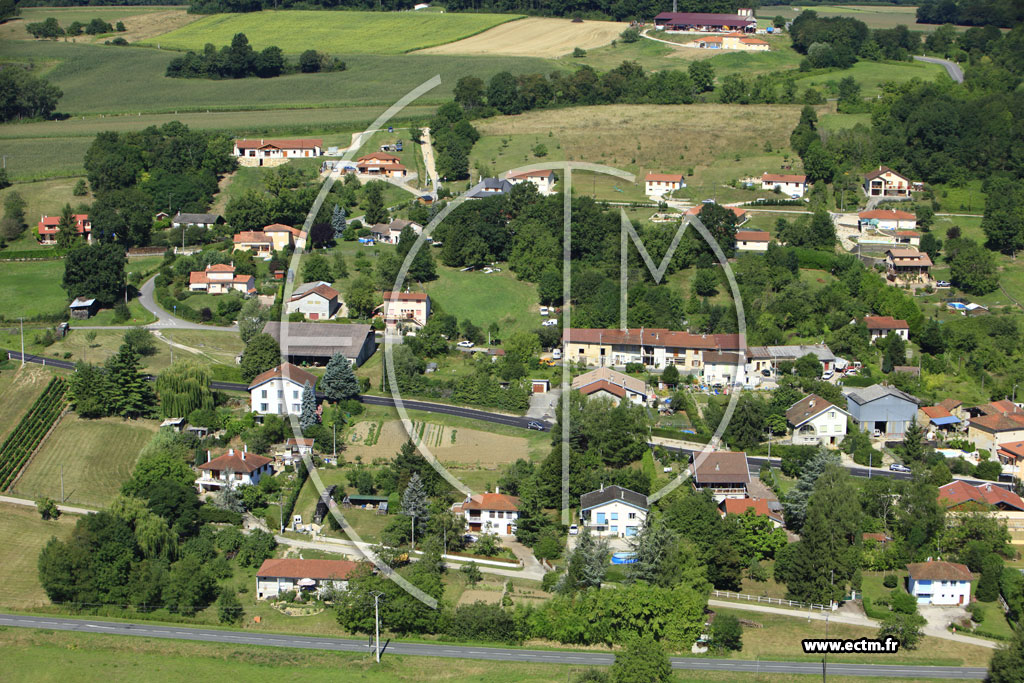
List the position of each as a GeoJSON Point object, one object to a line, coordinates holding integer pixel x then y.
{"type": "Point", "coordinates": [550, 322]}
{"type": "Point", "coordinates": [556, 354]}
{"type": "Point", "coordinates": [666, 469]}
{"type": "Point", "coordinates": [533, 424]}
{"type": "Point", "coordinates": [827, 375]}
{"type": "Point", "coordinates": [943, 283]}
{"type": "Point", "coordinates": [471, 538]}
{"type": "Point", "coordinates": [543, 310]}
{"type": "Point", "coordinates": [896, 467]}
{"type": "Point", "coordinates": [466, 344]}
{"type": "Point", "coordinates": [573, 530]}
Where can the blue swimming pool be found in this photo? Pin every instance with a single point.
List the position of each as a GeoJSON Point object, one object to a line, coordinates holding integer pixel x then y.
{"type": "Point", "coordinates": [623, 558]}
{"type": "Point", "coordinates": [956, 305]}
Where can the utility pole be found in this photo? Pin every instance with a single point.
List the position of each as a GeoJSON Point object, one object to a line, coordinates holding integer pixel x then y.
{"type": "Point", "coordinates": [62, 482]}
{"type": "Point", "coordinates": [334, 426]}
{"type": "Point", "coordinates": [376, 623]}
{"type": "Point", "coordinates": [22, 342]}
{"type": "Point", "coordinates": [414, 532]}
{"type": "Point", "coordinates": [280, 509]}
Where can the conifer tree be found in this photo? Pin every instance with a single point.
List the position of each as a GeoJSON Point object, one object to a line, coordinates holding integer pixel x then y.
{"type": "Point", "coordinates": [339, 382]}
{"type": "Point", "coordinates": [338, 222]}
{"type": "Point", "coordinates": [308, 416]}
{"type": "Point", "coordinates": [131, 394]}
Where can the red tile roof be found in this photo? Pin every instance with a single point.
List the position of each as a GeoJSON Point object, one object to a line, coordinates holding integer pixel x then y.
{"type": "Point", "coordinates": [603, 385]}
{"type": "Point", "coordinates": [48, 224]}
{"type": "Point", "coordinates": [530, 174]}
{"type": "Point", "coordinates": [752, 236]}
{"type": "Point", "coordinates": [737, 506]}
{"type": "Point", "coordinates": [882, 170]}
{"type": "Point", "coordinates": [886, 214]}
{"type": "Point", "coordinates": [950, 404]}
{"type": "Point", "coordinates": [379, 156]}
{"type": "Point", "coordinates": [885, 322]}
{"type": "Point", "coordinates": [939, 571]}
{"type": "Point", "coordinates": [1012, 449]}
{"type": "Point", "coordinates": [722, 467]}
{"type": "Point", "coordinates": [651, 336]}
{"type": "Point", "coordinates": [302, 143]}
{"type": "Point", "coordinates": [251, 237]}
{"type": "Point", "coordinates": [739, 213]}
{"type": "Point", "coordinates": [999, 423]}
{"type": "Point", "coordinates": [664, 177]}
{"type": "Point", "coordinates": [782, 178]}
{"type": "Point", "coordinates": [1001, 407]}
{"type": "Point", "coordinates": [236, 462]}
{"type": "Point", "coordinates": [299, 442]}
{"type": "Point", "coordinates": [907, 233]}
{"type": "Point", "coordinates": [492, 501]}
{"type": "Point", "coordinates": [405, 296]}
{"type": "Point", "coordinates": [875, 536]}
{"type": "Point", "coordinates": [292, 568]}
{"type": "Point", "coordinates": [935, 412]}
{"type": "Point", "coordinates": [806, 408]}
{"type": "Point", "coordinates": [958, 492]}
{"type": "Point", "coordinates": [220, 268]}
{"type": "Point", "coordinates": [295, 374]}
{"type": "Point", "coordinates": [326, 291]}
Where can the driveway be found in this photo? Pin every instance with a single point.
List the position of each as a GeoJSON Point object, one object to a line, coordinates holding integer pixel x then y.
{"type": "Point", "coordinates": [166, 321]}
{"type": "Point", "coordinates": [543, 406]}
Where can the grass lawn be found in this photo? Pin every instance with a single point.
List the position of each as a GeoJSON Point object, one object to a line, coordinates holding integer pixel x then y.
{"type": "Point", "coordinates": [780, 637]}
{"type": "Point", "coordinates": [139, 316]}
{"type": "Point", "coordinates": [24, 535]}
{"type": "Point", "coordinates": [30, 288]}
{"type": "Point", "coordinates": [19, 387]}
{"type": "Point", "coordinates": [968, 198]}
{"type": "Point", "coordinates": [355, 32]}
{"type": "Point", "coordinates": [42, 197]}
{"type": "Point", "coordinates": [96, 457]}
{"type": "Point", "coordinates": [135, 20]}
{"type": "Point", "coordinates": [29, 159]}
{"type": "Point", "coordinates": [486, 298]}
{"type": "Point", "coordinates": [871, 75]}
{"type": "Point", "coordinates": [833, 122]}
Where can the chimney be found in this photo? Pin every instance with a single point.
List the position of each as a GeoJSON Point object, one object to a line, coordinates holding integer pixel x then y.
{"type": "Point", "coordinates": [231, 451]}
{"type": "Point", "coordinates": [208, 456]}
{"type": "Point", "coordinates": [243, 455]}
{"type": "Point", "coordinates": [811, 404]}
{"type": "Point", "coordinates": [602, 486]}
{"type": "Point", "coordinates": [497, 489]}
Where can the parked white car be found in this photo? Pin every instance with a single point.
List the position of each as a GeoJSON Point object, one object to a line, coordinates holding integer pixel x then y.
{"type": "Point", "coordinates": [573, 530]}
{"type": "Point", "coordinates": [466, 344]}
{"type": "Point", "coordinates": [556, 354]}
{"type": "Point", "coordinates": [543, 310]}
{"type": "Point", "coordinates": [550, 322]}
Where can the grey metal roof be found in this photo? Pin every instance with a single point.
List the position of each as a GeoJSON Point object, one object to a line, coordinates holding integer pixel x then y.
{"type": "Point", "coordinates": [82, 302]}
{"type": "Point", "coordinates": [607, 494]}
{"type": "Point", "coordinates": [307, 286]}
{"type": "Point", "coordinates": [489, 187]}
{"type": "Point", "coordinates": [860, 396]}
{"type": "Point", "coordinates": [197, 218]}
{"type": "Point", "coordinates": [792, 352]}
{"type": "Point", "coordinates": [321, 339]}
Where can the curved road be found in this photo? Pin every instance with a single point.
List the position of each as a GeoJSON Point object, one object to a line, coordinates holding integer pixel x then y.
{"type": "Point", "coordinates": [166, 321]}
{"type": "Point", "coordinates": [952, 68]}
{"type": "Point", "coordinates": [497, 654]}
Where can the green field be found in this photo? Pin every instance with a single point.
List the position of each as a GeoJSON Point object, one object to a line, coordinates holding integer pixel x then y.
{"type": "Point", "coordinates": [871, 75]}
{"type": "Point", "coordinates": [294, 31]}
{"type": "Point", "coordinates": [24, 535]}
{"type": "Point", "coordinates": [30, 288]}
{"type": "Point", "coordinates": [96, 456]}
{"type": "Point", "coordinates": [875, 16]}
{"type": "Point", "coordinates": [483, 299]}
{"type": "Point", "coordinates": [42, 197]}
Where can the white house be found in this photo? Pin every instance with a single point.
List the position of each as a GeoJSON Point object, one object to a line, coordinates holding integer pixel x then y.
{"type": "Point", "coordinates": [220, 278]}
{"type": "Point", "coordinates": [232, 470]}
{"type": "Point", "coordinates": [788, 185]}
{"type": "Point", "coordinates": [613, 511]}
{"type": "Point", "coordinates": [273, 152]}
{"type": "Point", "coordinates": [284, 236]}
{"type": "Point", "coordinates": [391, 233]}
{"type": "Point", "coordinates": [409, 308]}
{"type": "Point", "coordinates": [544, 180]}
{"type": "Point", "coordinates": [752, 240]}
{"type": "Point", "coordinates": [299, 446]}
{"type": "Point", "coordinates": [616, 385]}
{"type": "Point", "coordinates": [659, 184]}
{"type": "Point", "coordinates": [723, 367]}
{"type": "Point", "coordinates": [887, 219]}
{"type": "Point", "coordinates": [940, 583]}
{"type": "Point", "coordinates": [316, 301]}
{"type": "Point", "coordinates": [816, 421]}
{"type": "Point", "coordinates": [883, 325]}
{"type": "Point", "coordinates": [196, 220]}
{"type": "Point", "coordinates": [277, 576]}
{"type": "Point", "coordinates": [886, 182]}
{"type": "Point", "coordinates": [489, 513]}
{"type": "Point", "coordinates": [278, 391]}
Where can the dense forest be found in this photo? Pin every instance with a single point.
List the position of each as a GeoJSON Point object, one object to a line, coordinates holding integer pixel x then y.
{"type": "Point", "coordinates": [1002, 13]}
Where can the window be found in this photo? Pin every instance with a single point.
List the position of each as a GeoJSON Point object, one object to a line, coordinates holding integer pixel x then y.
{"type": "Point", "coordinates": [295, 394]}
{"type": "Point", "coordinates": [614, 529]}
{"type": "Point", "coordinates": [280, 393]}
{"type": "Point", "coordinates": [615, 516]}
{"type": "Point", "coordinates": [263, 394]}
{"type": "Point", "coordinates": [632, 515]}
{"type": "Point", "coordinates": [583, 351]}
{"type": "Point", "coordinates": [602, 351]}
{"type": "Point", "coordinates": [492, 514]}
{"type": "Point", "coordinates": [263, 407]}
{"type": "Point", "coordinates": [501, 515]}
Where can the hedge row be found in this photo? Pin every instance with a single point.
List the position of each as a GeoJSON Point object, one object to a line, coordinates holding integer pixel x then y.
{"type": "Point", "coordinates": [289, 504]}
{"type": "Point", "coordinates": [30, 431]}
{"type": "Point", "coordinates": [683, 436]}
{"type": "Point", "coordinates": [31, 255]}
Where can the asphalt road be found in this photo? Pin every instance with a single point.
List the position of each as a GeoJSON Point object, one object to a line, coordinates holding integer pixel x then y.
{"type": "Point", "coordinates": [952, 68]}
{"type": "Point", "coordinates": [498, 418]}
{"type": "Point", "coordinates": [164, 320]}
{"type": "Point", "coordinates": [473, 652]}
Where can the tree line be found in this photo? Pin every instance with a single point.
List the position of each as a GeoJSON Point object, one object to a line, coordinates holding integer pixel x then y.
{"type": "Point", "coordinates": [239, 60]}
{"type": "Point", "coordinates": [26, 96]}
{"type": "Point", "coordinates": [1001, 13]}
{"type": "Point", "coordinates": [51, 28]}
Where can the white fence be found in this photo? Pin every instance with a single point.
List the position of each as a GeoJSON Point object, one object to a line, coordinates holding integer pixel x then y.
{"type": "Point", "coordinates": [766, 601]}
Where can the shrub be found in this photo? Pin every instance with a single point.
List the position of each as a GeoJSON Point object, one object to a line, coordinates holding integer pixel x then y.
{"type": "Point", "coordinates": [903, 602]}
{"type": "Point", "coordinates": [579, 52]}
{"type": "Point", "coordinates": [81, 189]}
{"type": "Point", "coordinates": [47, 508]}
{"type": "Point", "coordinates": [890, 581]}
{"type": "Point", "coordinates": [726, 633]}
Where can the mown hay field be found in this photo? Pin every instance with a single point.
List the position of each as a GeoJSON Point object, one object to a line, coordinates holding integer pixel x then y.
{"type": "Point", "coordinates": [875, 16]}
{"type": "Point", "coordinates": [382, 33]}
{"type": "Point", "coordinates": [470, 448]}
{"type": "Point", "coordinates": [24, 535]}
{"type": "Point", "coordinates": [535, 37]}
{"type": "Point", "coordinates": [140, 22]}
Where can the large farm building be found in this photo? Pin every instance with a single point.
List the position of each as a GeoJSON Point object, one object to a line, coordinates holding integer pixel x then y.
{"type": "Point", "coordinates": [696, 21]}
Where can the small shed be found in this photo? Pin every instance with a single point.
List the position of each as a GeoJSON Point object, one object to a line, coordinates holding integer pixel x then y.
{"type": "Point", "coordinates": [82, 308]}
{"type": "Point", "coordinates": [378, 503]}
{"type": "Point", "coordinates": [540, 386]}
{"type": "Point", "coordinates": [323, 504]}
{"type": "Point", "coordinates": [175, 423]}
